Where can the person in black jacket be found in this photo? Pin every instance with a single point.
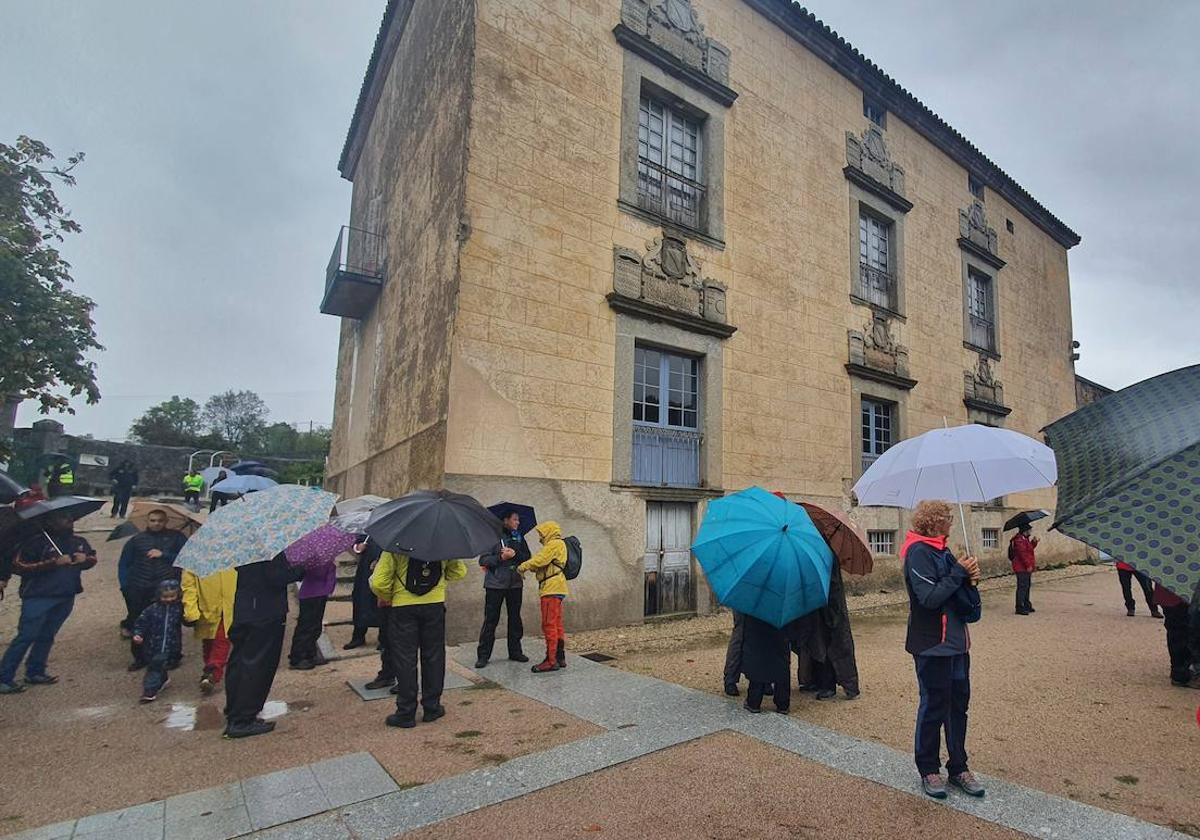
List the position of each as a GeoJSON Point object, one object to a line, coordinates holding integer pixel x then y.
{"type": "Point", "coordinates": [157, 632]}
{"type": "Point", "coordinates": [147, 559]}
{"type": "Point", "coordinates": [502, 587]}
{"type": "Point", "coordinates": [124, 478]}
{"type": "Point", "coordinates": [365, 605]}
{"type": "Point", "coordinates": [259, 620]}
{"type": "Point", "coordinates": [766, 661]}
{"type": "Point", "coordinates": [939, 643]}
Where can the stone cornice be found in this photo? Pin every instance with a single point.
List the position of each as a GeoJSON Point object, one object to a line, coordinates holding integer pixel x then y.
{"type": "Point", "coordinates": [877, 189]}
{"type": "Point", "coordinates": [987, 407]}
{"type": "Point", "coordinates": [692, 323]}
{"type": "Point", "coordinates": [880, 376]}
{"type": "Point", "coordinates": [655, 54]}
{"type": "Point", "coordinates": [981, 253]}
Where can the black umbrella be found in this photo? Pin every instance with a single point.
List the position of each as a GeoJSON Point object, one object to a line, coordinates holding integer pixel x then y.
{"type": "Point", "coordinates": [527, 514]}
{"type": "Point", "coordinates": [32, 519]}
{"type": "Point", "coordinates": [434, 525]}
{"type": "Point", "coordinates": [1024, 518]}
{"type": "Point", "coordinates": [10, 490]}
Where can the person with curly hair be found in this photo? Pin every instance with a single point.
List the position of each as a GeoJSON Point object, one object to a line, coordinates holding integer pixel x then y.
{"type": "Point", "coordinates": [942, 600]}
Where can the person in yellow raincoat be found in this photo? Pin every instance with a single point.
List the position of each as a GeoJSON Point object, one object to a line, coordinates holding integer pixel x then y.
{"type": "Point", "coordinates": [416, 591]}
{"type": "Point", "coordinates": [547, 566]}
{"type": "Point", "coordinates": [208, 606]}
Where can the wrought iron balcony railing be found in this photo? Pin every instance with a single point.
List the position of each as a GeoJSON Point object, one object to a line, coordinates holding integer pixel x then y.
{"type": "Point", "coordinates": [670, 195]}
{"type": "Point", "coordinates": [354, 275]}
{"type": "Point", "coordinates": [876, 286]}
{"type": "Point", "coordinates": [982, 332]}
{"type": "Point", "coordinates": [666, 457]}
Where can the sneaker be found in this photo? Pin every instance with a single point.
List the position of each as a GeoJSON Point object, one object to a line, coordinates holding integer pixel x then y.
{"type": "Point", "coordinates": [40, 679]}
{"type": "Point", "coordinates": [395, 689]}
{"type": "Point", "coordinates": [399, 722]}
{"type": "Point", "coordinates": [1031, 609]}
{"type": "Point", "coordinates": [851, 693]}
{"type": "Point", "coordinates": [206, 685]}
{"type": "Point", "coordinates": [249, 730]}
{"type": "Point", "coordinates": [148, 697]}
{"type": "Point", "coordinates": [1154, 613]}
{"type": "Point", "coordinates": [967, 783]}
{"type": "Point", "coordinates": [784, 710]}
{"type": "Point", "coordinates": [933, 786]}
{"type": "Point", "coordinates": [807, 687]}
{"type": "Point", "coordinates": [1130, 613]}
{"type": "Point", "coordinates": [481, 662]}
{"type": "Point", "coordinates": [378, 683]}
{"type": "Point", "coordinates": [544, 667]}
{"type": "Point", "coordinates": [355, 642]}
{"type": "Point", "coordinates": [827, 694]}
{"type": "Point", "coordinates": [433, 714]}
{"type": "Point", "coordinates": [1022, 612]}
{"type": "Point", "coordinates": [11, 688]}
{"type": "Point", "coordinates": [520, 657]}
{"type": "Point", "coordinates": [303, 665]}
{"type": "Point", "coordinates": [754, 710]}
{"type": "Point", "coordinates": [732, 690]}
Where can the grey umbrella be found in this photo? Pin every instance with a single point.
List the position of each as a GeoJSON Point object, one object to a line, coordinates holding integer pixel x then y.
{"type": "Point", "coordinates": [1129, 476]}
{"type": "Point", "coordinates": [434, 525]}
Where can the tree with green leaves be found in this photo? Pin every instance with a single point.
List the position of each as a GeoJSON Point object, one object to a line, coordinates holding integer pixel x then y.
{"type": "Point", "coordinates": [46, 329]}
{"type": "Point", "coordinates": [237, 417]}
{"type": "Point", "coordinates": [173, 422]}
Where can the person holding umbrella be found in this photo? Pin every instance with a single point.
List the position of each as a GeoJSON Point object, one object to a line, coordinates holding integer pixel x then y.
{"type": "Point", "coordinates": [51, 566]}
{"type": "Point", "coordinates": [502, 584]}
{"type": "Point", "coordinates": [1021, 553]}
{"type": "Point", "coordinates": [939, 643]}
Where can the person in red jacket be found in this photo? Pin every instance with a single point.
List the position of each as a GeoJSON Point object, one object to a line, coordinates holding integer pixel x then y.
{"type": "Point", "coordinates": [1126, 573]}
{"type": "Point", "coordinates": [1021, 553]}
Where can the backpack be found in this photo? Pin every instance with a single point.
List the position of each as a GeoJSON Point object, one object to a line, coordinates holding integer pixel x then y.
{"type": "Point", "coordinates": [574, 558]}
{"type": "Point", "coordinates": [421, 577]}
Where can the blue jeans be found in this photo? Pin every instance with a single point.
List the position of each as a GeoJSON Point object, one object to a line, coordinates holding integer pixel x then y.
{"type": "Point", "coordinates": [945, 684]}
{"type": "Point", "coordinates": [40, 621]}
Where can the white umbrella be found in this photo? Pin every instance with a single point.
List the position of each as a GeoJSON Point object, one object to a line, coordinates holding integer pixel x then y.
{"type": "Point", "coordinates": [352, 514]}
{"type": "Point", "coordinates": [960, 464]}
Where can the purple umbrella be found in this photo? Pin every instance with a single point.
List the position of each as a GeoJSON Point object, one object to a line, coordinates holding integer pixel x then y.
{"type": "Point", "coordinates": [315, 553]}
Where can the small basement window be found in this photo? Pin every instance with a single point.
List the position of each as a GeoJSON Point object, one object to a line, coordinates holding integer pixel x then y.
{"type": "Point", "coordinates": [991, 538]}
{"type": "Point", "coordinates": [882, 542]}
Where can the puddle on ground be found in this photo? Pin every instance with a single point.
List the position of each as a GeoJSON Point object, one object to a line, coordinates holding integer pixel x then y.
{"type": "Point", "coordinates": [208, 716]}
{"type": "Point", "coordinates": [95, 712]}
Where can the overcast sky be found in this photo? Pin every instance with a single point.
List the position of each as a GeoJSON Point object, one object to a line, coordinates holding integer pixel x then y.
{"type": "Point", "coordinates": [210, 197]}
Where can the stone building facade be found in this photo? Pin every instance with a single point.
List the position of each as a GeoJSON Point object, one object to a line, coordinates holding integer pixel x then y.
{"type": "Point", "coordinates": [624, 256]}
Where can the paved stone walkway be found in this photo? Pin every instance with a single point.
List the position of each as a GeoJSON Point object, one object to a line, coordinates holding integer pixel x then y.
{"type": "Point", "coordinates": [641, 715]}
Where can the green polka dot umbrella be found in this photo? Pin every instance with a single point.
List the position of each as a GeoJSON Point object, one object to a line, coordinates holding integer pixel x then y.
{"type": "Point", "coordinates": [1129, 477]}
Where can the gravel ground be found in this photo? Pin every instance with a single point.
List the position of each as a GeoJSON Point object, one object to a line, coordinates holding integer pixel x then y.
{"type": "Point", "coordinates": [723, 786]}
{"type": "Point", "coordinates": [86, 745]}
{"type": "Point", "coordinates": [1074, 700]}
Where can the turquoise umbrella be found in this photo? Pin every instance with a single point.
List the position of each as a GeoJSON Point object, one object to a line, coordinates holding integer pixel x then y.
{"type": "Point", "coordinates": [763, 556]}
{"type": "Point", "coordinates": [255, 528]}
{"type": "Point", "coordinates": [1129, 477]}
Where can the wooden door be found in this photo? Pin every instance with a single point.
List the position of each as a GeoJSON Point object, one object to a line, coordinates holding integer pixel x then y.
{"type": "Point", "coordinates": [668, 560]}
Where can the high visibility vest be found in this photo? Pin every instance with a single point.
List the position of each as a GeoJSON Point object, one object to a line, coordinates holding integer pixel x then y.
{"type": "Point", "coordinates": [193, 482]}
{"type": "Point", "coordinates": [66, 478]}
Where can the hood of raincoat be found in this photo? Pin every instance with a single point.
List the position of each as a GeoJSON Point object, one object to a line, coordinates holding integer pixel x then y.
{"type": "Point", "coordinates": [548, 531]}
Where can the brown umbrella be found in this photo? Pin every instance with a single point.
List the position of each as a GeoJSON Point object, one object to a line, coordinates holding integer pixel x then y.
{"type": "Point", "coordinates": [848, 542]}
{"type": "Point", "coordinates": [179, 518]}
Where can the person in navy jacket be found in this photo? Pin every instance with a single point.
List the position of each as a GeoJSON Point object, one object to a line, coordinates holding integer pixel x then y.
{"type": "Point", "coordinates": [942, 601]}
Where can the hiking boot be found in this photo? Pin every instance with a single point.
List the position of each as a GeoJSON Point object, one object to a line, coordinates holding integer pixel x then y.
{"type": "Point", "coordinates": [40, 679]}
{"type": "Point", "coordinates": [933, 786]}
{"type": "Point", "coordinates": [544, 667]}
{"type": "Point", "coordinates": [560, 657]}
{"type": "Point", "coordinates": [481, 662]}
{"type": "Point", "coordinates": [378, 683]}
{"type": "Point", "coordinates": [249, 730]}
{"type": "Point", "coordinates": [518, 657]}
{"type": "Point", "coordinates": [732, 690]}
{"type": "Point", "coordinates": [11, 688]}
{"type": "Point", "coordinates": [433, 714]}
{"type": "Point", "coordinates": [967, 783]}
{"type": "Point", "coordinates": [399, 722]}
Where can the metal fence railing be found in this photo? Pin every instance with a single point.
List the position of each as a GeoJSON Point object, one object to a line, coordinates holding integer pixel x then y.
{"type": "Point", "coordinates": [666, 457]}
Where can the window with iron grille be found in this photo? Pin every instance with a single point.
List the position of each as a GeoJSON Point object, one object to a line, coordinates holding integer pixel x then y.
{"type": "Point", "coordinates": [874, 111]}
{"type": "Point", "coordinates": [877, 419]}
{"type": "Point", "coordinates": [670, 182]}
{"type": "Point", "coordinates": [666, 418]}
{"type": "Point", "coordinates": [991, 537]}
{"type": "Point", "coordinates": [882, 542]}
{"type": "Point", "coordinates": [876, 282]}
{"type": "Point", "coordinates": [981, 310]}
{"type": "Point", "coordinates": [975, 186]}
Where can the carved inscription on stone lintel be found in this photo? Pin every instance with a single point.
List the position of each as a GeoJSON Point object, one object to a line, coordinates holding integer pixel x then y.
{"type": "Point", "coordinates": [667, 276]}
{"type": "Point", "coordinates": [875, 347]}
{"type": "Point", "coordinates": [674, 26]}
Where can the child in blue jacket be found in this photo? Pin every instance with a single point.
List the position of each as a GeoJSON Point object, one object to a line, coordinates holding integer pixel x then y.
{"type": "Point", "coordinates": [158, 635]}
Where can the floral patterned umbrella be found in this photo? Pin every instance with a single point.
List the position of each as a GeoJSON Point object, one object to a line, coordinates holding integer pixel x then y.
{"type": "Point", "coordinates": [255, 528]}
